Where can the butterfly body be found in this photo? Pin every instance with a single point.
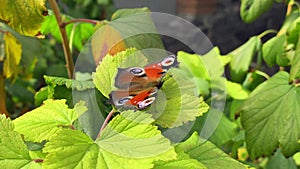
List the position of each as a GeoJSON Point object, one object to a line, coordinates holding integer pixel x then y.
{"type": "Point", "coordinates": [137, 87]}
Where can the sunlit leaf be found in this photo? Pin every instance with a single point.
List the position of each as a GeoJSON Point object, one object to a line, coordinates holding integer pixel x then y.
{"type": "Point", "coordinates": [183, 161]}
{"type": "Point", "coordinates": [25, 17]}
{"type": "Point", "coordinates": [13, 151]}
{"type": "Point", "coordinates": [236, 90]}
{"type": "Point", "coordinates": [43, 122]}
{"type": "Point", "coordinates": [13, 52]}
{"type": "Point", "coordinates": [129, 141]}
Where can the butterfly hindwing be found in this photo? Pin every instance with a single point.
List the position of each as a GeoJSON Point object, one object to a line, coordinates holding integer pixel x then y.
{"type": "Point", "coordinates": [137, 87]}
{"type": "Point", "coordinates": [123, 100]}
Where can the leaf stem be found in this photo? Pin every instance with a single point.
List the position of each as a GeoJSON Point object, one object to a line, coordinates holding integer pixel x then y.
{"type": "Point", "coordinates": [106, 122]}
{"type": "Point", "coordinates": [63, 33]}
{"type": "Point", "coordinates": [3, 109]}
{"type": "Point", "coordinates": [80, 20]}
{"type": "Point", "coordinates": [267, 32]}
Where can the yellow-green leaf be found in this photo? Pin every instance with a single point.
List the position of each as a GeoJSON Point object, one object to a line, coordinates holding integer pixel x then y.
{"type": "Point", "coordinates": [23, 16]}
{"type": "Point", "coordinates": [13, 52]}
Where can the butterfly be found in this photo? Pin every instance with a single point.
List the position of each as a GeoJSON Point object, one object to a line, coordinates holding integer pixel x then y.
{"type": "Point", "coordinates": [137, 86]}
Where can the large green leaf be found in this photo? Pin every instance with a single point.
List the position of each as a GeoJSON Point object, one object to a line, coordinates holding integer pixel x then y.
{"type": "Point", "coordinates": [13, 151]}
{"type": "Point", "coordinates": [208, 154]}
{"type": "Point", "coordinates": [77, 32]}
{"type": "Point", "coordinates": [252, 9]}
{"type": "Point", "coordinates": [41, 123]}
{"type": "Point", "coordinates": [270, 117]}
{"type": "Point", "coordinates": [242, 57]}
{"type": "Point", "coordinates": [25, 17]}
{"type": "Point", "coordinates": [273, 51]}
{"type": "Point", "coordinates": [129, 141]}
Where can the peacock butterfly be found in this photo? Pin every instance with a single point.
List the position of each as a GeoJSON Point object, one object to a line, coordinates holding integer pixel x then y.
{"type": "Point", "coordinates": [137, 87]}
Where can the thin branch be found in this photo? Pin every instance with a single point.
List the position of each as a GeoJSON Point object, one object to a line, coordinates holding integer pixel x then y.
{"type": "Point", "coordinates": [3, 109]}
{"type": "Point", "coordinates": [80, 20]}
{"type": "Point", "coordinates": [105, 122]}
{"type": "Point", "coordinates": [63, 33]}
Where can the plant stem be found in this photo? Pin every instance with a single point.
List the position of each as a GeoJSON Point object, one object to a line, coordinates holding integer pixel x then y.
{"type": "Point", "coordinates": [3, 109]}
{"type": "Point", "coordinates": [267, 32]}
{"type": "Point", "coordinates": [106, 122]}
{"type": "Point", "coordinates": [80, 20]}
{"type": "Point", "coordinates": [63, 33]}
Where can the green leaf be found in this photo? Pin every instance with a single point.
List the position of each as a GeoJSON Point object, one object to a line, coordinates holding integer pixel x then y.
{"type": "Point", "coordinates": [272, 56]}
{"type": "Point", "coordinates": [62, 88]}
{"type": "Point", "coordinates": [270, 119]}
{"type": "Point", "coordinates": [278, 161]}
{"type": "Point", "coordinates": [293, 33]}
{"type": "Point", "coordinates": [194, 64]}
{"type": "Point", "coordinates": [69, 83]}
{"type": "Point", "coordinates": [295, 67]}
{"type": "Point", "coordinates": [290, 23]}
{"type": "Point", "coordinates": [41, 123]}
{"type": "Point", "coordinates": [183, 161]}
{"type": "Point", "coordinates": [222, 129]}
{"type": "Point", "coordinates": [236, 91]}
{"type": "Point", "coordinates": [129, 141]}
{"type": "Point", "coordinates": [177, 102]}
{"type": "Point", "coordinates": [225, 59]}
{"type": "Point", "coordinates": [208, 154]}
{"type": "Point", "coordinates": [127, 12]}
{"type": "Point", "coordinates": [213, 64]}
{"type": "Point", "coordinates": [252, 9]}
{"type": "Point", "coordinates": [225, 131]}
{"type": "Point", "coordinates": [42, 95]}
{"type": "Point", "coordinates": [13, 151]}
{"type": "Point", "coordinates": [24, 17]}
{"type": "Point", "coordinates": [136, 26]}
{"type": "Point", "coordinates": [242, 57]}
{"type": "Point", "coordinates": [80, 32]}
{"type": "Point", "coordinates": [253, 79]}
{"type": "Point", "coordinates": [296, 158]}
{"type": "Point", "coordinates": [13, 53]}
{"type": "Point", "coordinates": [104, 77]}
